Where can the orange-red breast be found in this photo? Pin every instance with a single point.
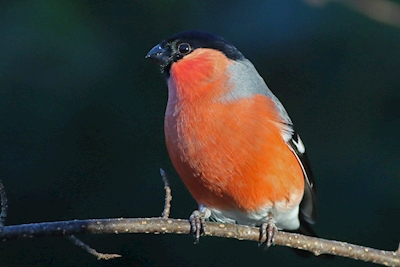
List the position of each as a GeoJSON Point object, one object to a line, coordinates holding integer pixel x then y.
{"type": "Point", "coordinates": [230, 139]}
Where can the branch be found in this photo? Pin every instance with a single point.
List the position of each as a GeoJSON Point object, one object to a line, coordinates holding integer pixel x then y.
{"type": "Point", "coordinates": [384, 11]}
{"type": "Point", "coordinates": [165, 225]}
{"type": "Point", "coordinates": [168, 195]}
{"type": "Point", "coordinates": [4, 205]}
{"type": "Point", "coordinates": [178, 226]}
{"type": "Point", "coordinates": [98, 255]}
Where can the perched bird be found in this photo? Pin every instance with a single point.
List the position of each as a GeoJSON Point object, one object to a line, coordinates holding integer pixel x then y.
{"type": "Point", "coordinates": [231, 140]}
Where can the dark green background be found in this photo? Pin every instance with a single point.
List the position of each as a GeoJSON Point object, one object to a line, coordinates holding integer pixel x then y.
{"type": "Point", "coordinates": [81, 122]}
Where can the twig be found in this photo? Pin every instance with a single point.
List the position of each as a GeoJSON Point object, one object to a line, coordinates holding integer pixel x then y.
{"type": "Point", "coordinates": [177, 226]}
{"type": "Point", "coordinates": [98, 255]}
{"type": "Point", "coordinates": [384, 11]}
{"type": "Point", "coordinates": [4, 205]}
{"type": "Point", "coordinates": [168, 195]}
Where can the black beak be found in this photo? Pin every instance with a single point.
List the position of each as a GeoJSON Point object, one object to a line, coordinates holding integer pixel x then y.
{"type": "Point", "coordinates": [160, 55]}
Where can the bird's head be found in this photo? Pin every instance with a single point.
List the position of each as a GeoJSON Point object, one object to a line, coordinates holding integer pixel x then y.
{"type": "Point", "coordinates": [181, 45]}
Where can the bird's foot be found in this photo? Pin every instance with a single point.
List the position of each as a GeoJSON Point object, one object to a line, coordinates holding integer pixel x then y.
{"type": "Point", "coordinates": [268, 231]}
{"type": "Point", "coordinates": [197, 224]}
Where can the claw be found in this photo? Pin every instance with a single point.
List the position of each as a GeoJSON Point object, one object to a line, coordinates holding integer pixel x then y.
{"type": "Point", "coordinates": [269, 231]}
{"type": "Point", "coordinates": [197, 225]}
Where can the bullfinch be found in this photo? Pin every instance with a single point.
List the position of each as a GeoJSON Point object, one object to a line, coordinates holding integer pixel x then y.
{"type": "Point", "coordinates": [231, 140]}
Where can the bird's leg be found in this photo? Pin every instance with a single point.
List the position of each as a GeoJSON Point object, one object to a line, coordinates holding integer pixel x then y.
{"type": "Point", "coordinates": [197, 222]}
{"type": "Point", "coordinates": [268, 230]}
{"type": "Point", "coordinates": [197, 227]}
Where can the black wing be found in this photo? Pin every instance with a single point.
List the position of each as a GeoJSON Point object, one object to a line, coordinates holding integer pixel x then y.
{"type": "Point", "coordinates": [307, 205]}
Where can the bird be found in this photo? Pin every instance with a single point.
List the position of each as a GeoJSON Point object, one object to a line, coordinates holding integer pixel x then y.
{"type": "Point", "coordinates": [231, 140]}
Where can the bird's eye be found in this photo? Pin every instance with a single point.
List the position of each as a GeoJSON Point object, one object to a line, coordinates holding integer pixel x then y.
{"type": "Point", "coordinates": [184, 48]}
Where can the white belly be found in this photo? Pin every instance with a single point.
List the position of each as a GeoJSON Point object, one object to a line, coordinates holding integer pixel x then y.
{"type": "Point", "coordinates": [287, 219]}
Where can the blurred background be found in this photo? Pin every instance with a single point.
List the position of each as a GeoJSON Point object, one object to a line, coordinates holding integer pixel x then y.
{"type": "Point", "coordinates": [81, 120]}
